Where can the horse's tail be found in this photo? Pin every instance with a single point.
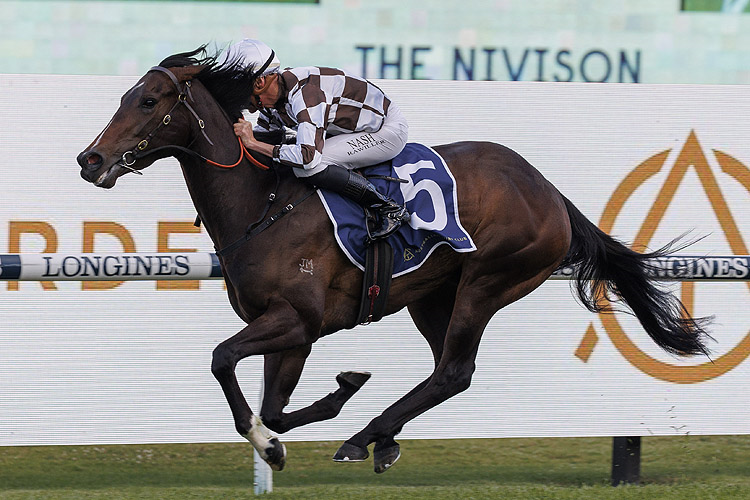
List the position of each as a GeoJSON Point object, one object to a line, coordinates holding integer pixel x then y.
{"type": "Point", "coordinates": [607, 269]}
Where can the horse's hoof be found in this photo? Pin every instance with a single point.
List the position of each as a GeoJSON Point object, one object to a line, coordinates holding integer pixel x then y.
{"type": "Point", "coordinates": [385, 457]}
{"type": "Point", "coordinates": [351, 453]}
{"type": "Point", "coordinates": [276, 455]}
{"type": "Point", "coordinates": [353, 380]}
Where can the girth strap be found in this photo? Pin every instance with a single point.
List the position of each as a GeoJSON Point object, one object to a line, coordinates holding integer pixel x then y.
{"type": "Point", "coordinates": [376, 282]}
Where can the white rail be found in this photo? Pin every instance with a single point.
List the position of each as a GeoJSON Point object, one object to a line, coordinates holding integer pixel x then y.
{"type": "Point", "coordinates": [109, 267]}
{"type": "Point", "coordinates": [205, 265]}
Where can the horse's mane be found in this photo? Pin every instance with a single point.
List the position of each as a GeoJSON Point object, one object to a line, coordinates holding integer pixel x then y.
{"type": "Point", "coordinates": [228, 82]}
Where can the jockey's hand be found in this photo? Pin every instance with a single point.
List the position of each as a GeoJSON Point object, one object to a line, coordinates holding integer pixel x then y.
{"type": "Point", "coordinates": [244, 130]}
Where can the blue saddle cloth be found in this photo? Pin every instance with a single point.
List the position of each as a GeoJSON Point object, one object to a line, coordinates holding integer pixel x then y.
{"type": "Point", "coordinates": [430, 196]}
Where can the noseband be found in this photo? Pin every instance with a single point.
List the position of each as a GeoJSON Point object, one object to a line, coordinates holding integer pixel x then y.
{"type": "Point", "coordinates": [183, 93]}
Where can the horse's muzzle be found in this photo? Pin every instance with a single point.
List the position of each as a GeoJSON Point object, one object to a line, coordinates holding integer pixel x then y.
{"type": "Point", "coordinates": [90, 162]}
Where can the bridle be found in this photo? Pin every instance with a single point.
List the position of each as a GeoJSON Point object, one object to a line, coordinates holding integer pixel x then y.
{"type": "Point", "coordinates": [184, 93]}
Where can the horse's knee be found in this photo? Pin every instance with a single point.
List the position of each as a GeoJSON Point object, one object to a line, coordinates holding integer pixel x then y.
{"type": "Point", "coordinates": [462, 383]}
{"type": "Point", "coordinates": [324, 409]}
{"type": "Point", "coordinates": [222, 363]}
{"type": "Point", "coordinates": [457, 385]}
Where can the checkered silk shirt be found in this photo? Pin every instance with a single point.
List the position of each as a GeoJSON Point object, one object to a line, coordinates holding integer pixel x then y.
{"type": "Point", "coordinates": [318, 102]}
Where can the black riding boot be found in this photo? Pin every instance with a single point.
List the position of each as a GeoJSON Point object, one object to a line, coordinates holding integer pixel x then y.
{"type": "Point", "coordinates": [389, 214]}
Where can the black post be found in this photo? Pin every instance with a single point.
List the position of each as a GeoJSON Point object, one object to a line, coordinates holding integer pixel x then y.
{"type": "Point", "coordinates": [626, 460]}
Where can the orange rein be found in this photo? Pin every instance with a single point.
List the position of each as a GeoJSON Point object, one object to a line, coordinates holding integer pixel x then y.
{"type": "Point", "coordinates": [244, 153]}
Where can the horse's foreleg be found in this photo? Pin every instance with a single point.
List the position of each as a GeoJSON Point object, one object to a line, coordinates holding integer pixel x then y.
{"type": "Point", "coordinates": [248, 424]}
{"type": "Point", "coordinates": [282, 372]}
{"type": "Point", "coordinates": [279, 328]}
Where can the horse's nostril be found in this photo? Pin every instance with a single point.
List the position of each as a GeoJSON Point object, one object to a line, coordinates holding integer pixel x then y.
{"type": "Point", "coordinates": [90, 160]}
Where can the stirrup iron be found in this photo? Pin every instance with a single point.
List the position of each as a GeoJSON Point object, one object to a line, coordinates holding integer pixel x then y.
{"type": "Point", "coordinates": [386, 213]}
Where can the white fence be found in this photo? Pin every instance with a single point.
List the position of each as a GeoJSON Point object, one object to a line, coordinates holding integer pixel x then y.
{"type": "Point", "coordinates": [204, 265]}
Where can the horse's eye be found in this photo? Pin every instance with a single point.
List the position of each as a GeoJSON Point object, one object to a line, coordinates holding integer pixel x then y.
{"type": "Point", "coordinates": [148, 103]}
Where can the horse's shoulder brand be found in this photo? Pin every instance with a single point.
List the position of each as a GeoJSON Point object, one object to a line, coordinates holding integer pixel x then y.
{"type": "Point", "coordinates": [306, 266]}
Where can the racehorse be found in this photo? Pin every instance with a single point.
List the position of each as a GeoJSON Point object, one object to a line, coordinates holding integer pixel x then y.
{"type": "Point", "coordinates": [522, 226]}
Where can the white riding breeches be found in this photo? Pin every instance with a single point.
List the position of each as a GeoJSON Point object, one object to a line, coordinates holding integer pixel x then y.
{"type": "Point", "coordinates": [361, 149]}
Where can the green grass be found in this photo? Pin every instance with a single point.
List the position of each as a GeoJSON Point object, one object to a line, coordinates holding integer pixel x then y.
{"type": "Point", "coordinates": [683, 468]}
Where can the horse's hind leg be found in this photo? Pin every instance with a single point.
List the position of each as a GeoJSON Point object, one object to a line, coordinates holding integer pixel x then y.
{"type": "Point", "coordinates": [451, 376]}
{"type": "Point", "coordinates": [431, 315]}
{"type": "Point", "coordinates": [472, 310]}
{"type": "Point", "coordinates": [282, 372]}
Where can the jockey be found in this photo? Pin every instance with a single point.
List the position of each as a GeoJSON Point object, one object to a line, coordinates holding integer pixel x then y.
{"type": "Point", "coordinates": [342, 122]}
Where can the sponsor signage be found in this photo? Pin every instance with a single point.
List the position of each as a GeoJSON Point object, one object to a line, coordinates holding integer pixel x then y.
{"type": "Point", "coordinates": [114, 361]}
{"type": "Point", "coordinates": [109, 267]}
{"type": "Point", "coordinates": [639, 41]}
{"type": "Point", "coordinates": [685, 267]}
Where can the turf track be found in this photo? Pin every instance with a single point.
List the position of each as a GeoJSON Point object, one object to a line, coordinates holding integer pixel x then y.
{"type": "Point", "coordinates": [685, 467]}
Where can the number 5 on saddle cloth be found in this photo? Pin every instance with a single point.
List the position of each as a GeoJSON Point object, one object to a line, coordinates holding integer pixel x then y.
{"type": "Point", "coordinates": [429, 192]}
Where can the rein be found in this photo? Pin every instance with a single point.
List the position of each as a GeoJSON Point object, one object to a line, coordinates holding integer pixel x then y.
{"type": "Point", "coordinates": [130, 157]}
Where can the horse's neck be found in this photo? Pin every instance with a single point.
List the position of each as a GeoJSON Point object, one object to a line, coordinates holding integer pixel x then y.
{"type": "Point", "coordinates": [226, 199]}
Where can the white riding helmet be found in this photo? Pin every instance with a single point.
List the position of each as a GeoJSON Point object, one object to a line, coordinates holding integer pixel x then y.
{"type": "Point", "coordinates": [250, 52]}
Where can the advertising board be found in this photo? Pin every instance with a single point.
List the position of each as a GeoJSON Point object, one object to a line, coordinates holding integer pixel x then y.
{"type": "Point", "coordinates": [129, 362]}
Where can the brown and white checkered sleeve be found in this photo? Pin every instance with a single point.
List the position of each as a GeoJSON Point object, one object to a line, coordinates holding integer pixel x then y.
{"type": "Point", "coordinates": [310, 110]}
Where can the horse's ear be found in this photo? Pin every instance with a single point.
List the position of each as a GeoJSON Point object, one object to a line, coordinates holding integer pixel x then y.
{"type": "Point", "coordinates": [185, 73]}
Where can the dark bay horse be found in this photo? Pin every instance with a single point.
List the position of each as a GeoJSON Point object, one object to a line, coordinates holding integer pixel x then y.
{"type": "Point", "coordinates": [522, 226]}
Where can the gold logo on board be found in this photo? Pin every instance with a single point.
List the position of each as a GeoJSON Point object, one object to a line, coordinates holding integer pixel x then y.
{"type": "Point", "coordinates": [691, 155]}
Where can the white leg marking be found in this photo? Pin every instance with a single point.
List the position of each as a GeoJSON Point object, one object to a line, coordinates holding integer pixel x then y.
{"type": "Point", "coordinates": [260, 437]}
